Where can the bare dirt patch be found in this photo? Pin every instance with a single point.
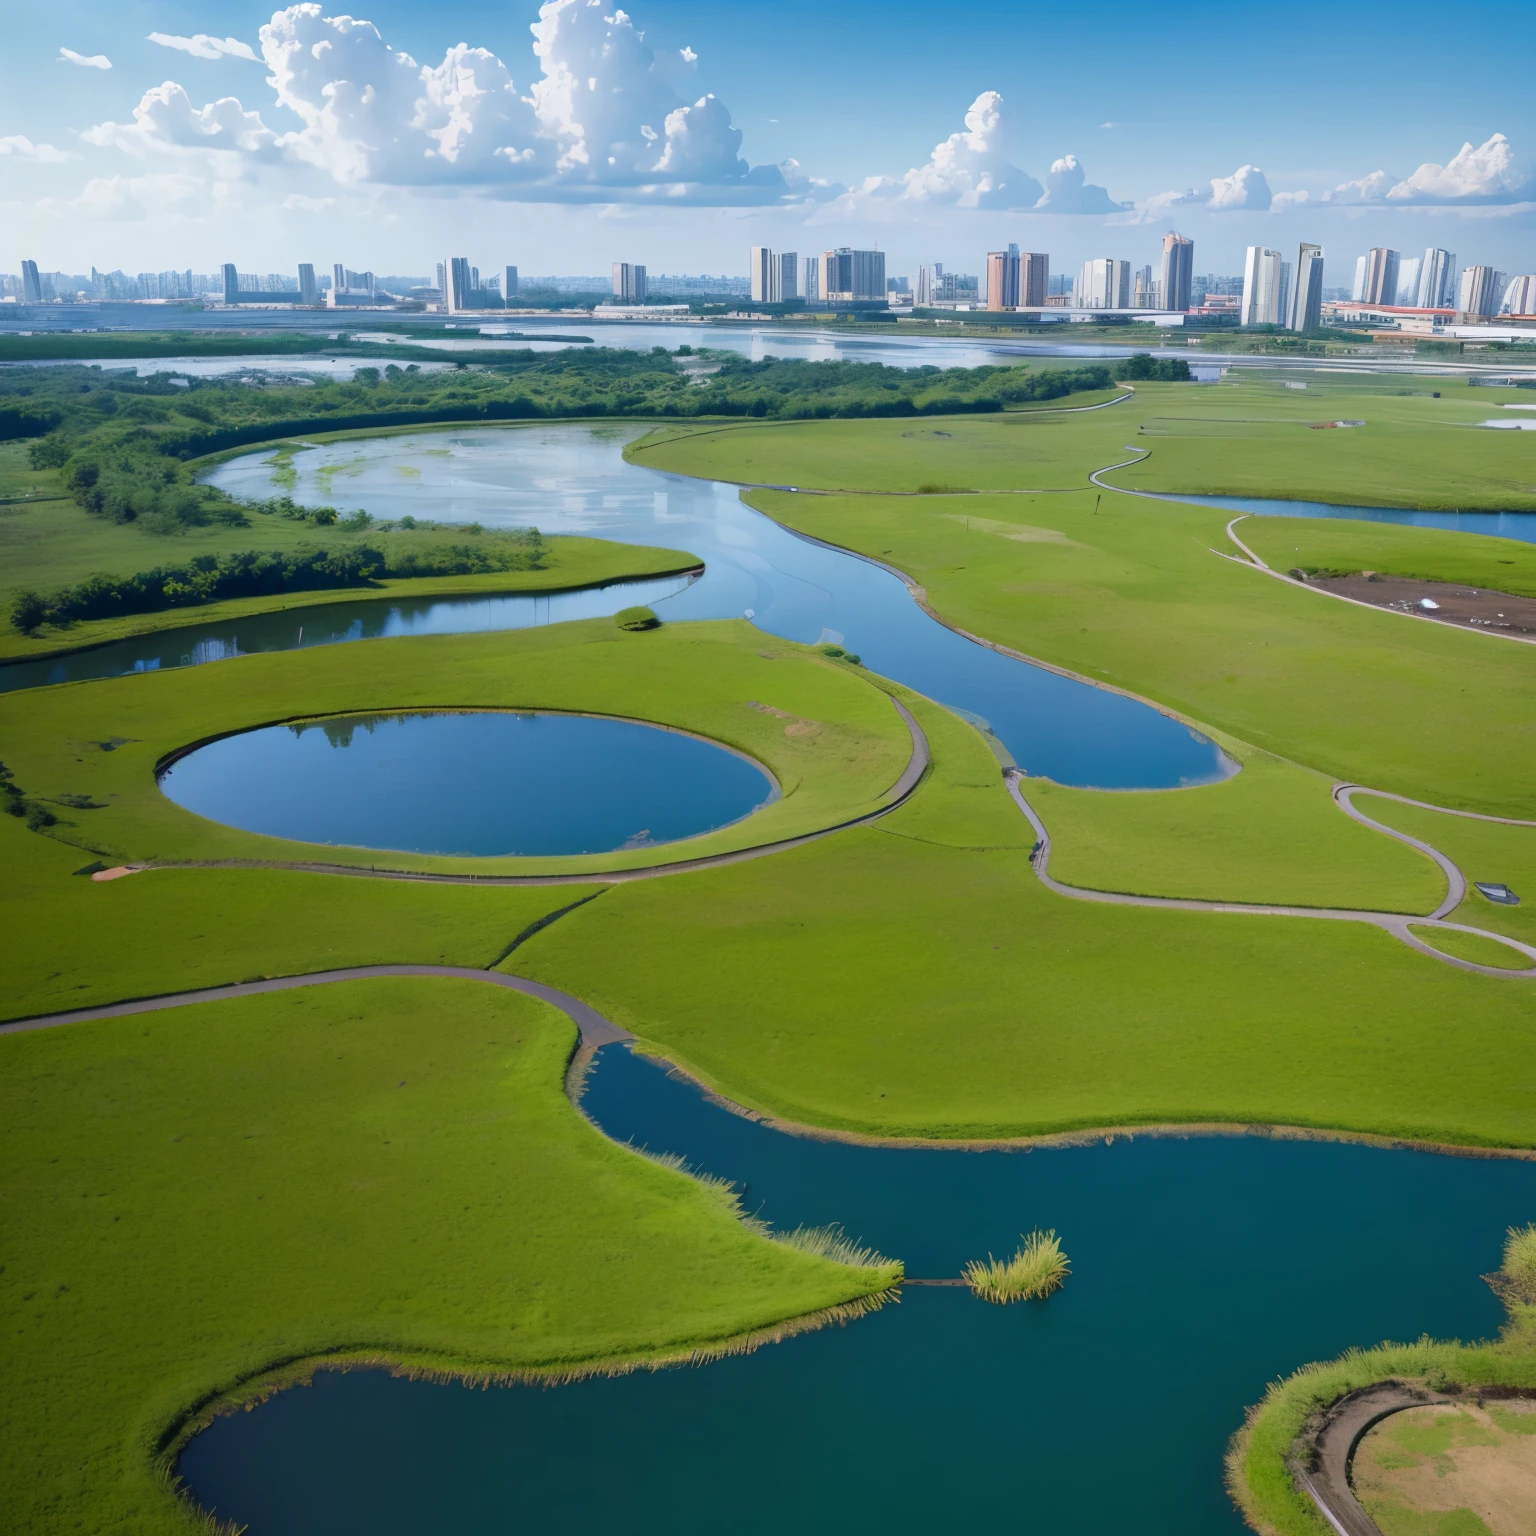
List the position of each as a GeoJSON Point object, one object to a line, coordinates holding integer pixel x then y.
{"type": "Point", "coordinates": [1476, 1465]}
{"type": "Point", "coordinates": [1471, 607]}
{"type": "Point", "coordinates": [797, 729]}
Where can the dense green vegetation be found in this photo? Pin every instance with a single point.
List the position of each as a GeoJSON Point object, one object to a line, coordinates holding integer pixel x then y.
{"type": "Point", "coordinates": [190, 1197]}
{"type": "Point", "coordinates": [1037, 1269]}
{"type": "Point", "coordinates": [829, 736]}
{"type": "Point", "coordinates": [1257, 1471]}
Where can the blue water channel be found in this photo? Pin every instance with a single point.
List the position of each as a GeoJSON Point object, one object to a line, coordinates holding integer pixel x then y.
{"type": "Point", "coordinates": [477, 783]}
{"type": "Point", "coordinates": [572, 479]}
{"type": "Point", "coordinates": [1500, 525]}
{"type": "Point", "coordinates": [1203, 1268]}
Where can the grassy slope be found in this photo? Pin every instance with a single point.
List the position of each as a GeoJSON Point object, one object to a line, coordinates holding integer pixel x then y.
{"type": "Point", "coordinates": [55, 543]}
{"type": "Point", "coordinates": [1269, 834]}
{"type": "Point", "coordinates": [1430, 554]}
{"type": "Point", "coordinates": [1482, 850]}
{"type": "Point", "coordinates": [702, 677]}
{"type": "Point", "coordinates": [384, 1166]}
{"type": "Point", "coordinates": [914, 978]}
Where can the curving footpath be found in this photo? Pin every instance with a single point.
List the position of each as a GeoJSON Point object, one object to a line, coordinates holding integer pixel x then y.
{"type": "Point", "coordinates": [896, 795]}
{"type": "Point", "coordinates": [1395, 923]}
{"type": "Point", "coordinates": [594, 1029]}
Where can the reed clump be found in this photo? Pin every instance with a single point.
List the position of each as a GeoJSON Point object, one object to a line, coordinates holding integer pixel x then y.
{"type": "Point", "coordinates": [1519, 1268]}
{"type": "Point", "coordinates": [1038, 1268]}
{"type": "Point", "coordinates": [833, 1243]}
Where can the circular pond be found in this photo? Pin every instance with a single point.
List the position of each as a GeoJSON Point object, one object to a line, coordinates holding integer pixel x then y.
{"type": "Point", "coordinates": [479, 782]}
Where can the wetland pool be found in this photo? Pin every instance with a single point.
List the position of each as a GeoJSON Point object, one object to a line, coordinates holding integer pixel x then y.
{"type": "Point", "coordinates": [477, 783]}
{"type": "Point", "coordinates": [1203, 1268]}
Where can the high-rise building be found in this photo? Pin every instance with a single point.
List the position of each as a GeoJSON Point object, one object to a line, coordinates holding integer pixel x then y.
{"type": "Point", "coordinates": [1143, 290]}
{"type": "Point", "coordinates": [774, 276]}
{"type": "Point", "coordinates": [1283, 303]}
{"type": "Point", "coordinates": [759, 275]}
{"type": "Point", "coordinates": [1261, 287]}
{"type": "Point", "coordinates": [1003, 279]}
{"type": "Point", "coordinates": [308, 292]}
{"type": "Point", "coordinates": [1408, 282]}
{"type": "Point", "coordinates": [1519, 297]}
{"type": "Point", "coordinates": [788, 273]}
{"type": "Point", "coordinates": [628, 282]}
{"type": "Point", "coordinates": [1357, 288]}
{"type": "Point", "coordinates": [1178, 271]}
{"type": "Point", "coordinates": [810, 278]}
{"type": "Point", "coordinates": [1034, 278]}
{"type": "Point", "coordinates": [339, 278]}
{"type": "Point", "coordinates": [1104, 284]}
{"type": "Point", "coordinates": [1306, 310]}
{"type": "Point", "coordinates": [1380, 276]}
{"type": "Point", "coordinates": [509, 285]}
{"type": "Point", "coordinates": [848, 275]}
{"type": "Point", "coordinates": [924, 292]}
{"type": "Point", "coordinates": [456, 284]}
{"type": "Point", "coordinates": [31, 284]}
{"type": "Point", "coordinates": [1437, 279]}
{"type": "Point", "coordinates": [1477, 293]}
{"type": "Point", "coordinates": [231, 283]}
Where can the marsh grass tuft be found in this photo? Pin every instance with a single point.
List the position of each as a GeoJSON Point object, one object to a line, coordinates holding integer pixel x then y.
{"type": "Point", "coordinates": [1037, 1269]}
{"type": "Point", "coordinates": [1519, 1268]}
{"type": "Point", "coordinates": [832, 1243]}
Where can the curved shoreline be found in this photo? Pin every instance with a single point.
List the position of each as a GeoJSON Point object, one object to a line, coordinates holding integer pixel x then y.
{"type": "Point", "coordinates": [897, 795]}
{"type": "Point", "coordinates": [595, 1031]}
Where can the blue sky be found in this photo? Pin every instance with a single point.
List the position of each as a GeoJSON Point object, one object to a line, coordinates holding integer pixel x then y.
{"type": "Point", "coordinates": [688, 131]}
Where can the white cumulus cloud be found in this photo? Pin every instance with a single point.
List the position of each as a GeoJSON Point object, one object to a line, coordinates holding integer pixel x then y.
{"type": "Point", "coordinates": [165, 121]}
{"type": "Point", "coordinates": [202, 45]}
{"type": "Point", "coordinates": [1487, 173]}
{"type": "Point", "coordinates": [1245, 190]}
{"type": "Point", "coordinates": [20, 147]}
{"type": "Point", "coordinates": [971, 169]}
{"type": "Point", "coordinates": [86, 61]}
{"type": "Point", "coordinates": [1068, 190]}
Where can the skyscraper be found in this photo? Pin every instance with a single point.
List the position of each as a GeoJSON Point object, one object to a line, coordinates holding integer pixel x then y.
{"type": "Point", "coordinates": [1408, 282]}
{"type": "Point", "coordinates": [629, 282]}
{"type": "Point", "coordinates": [1477, 294]}
{"type": "Point", "coordinates": [1437, 279]}
{"type": "Point", "coordinates": [1357, 288]}
{"type": "Point", "coordinates": [1519, 297]}
{"type": "Point", "coordinates": [759, 273]}
{"type": "Point", "coordinates": [31, 284]}
{"type": "Point", "coordinates": [1283, 303]}
{"type": "Point", "coordinates": [1003, 279]}
{"type": "Point", "coordinates": [1261, 287]}
{"type": "Point", "coordinates": [786, 273]}
{"type": "Point", "coordinates": [1307, 291]}
{"type": "Point", "coordinates": [810, 278]}
{"type": "Point", "coordinates": [1380, 276]}
{"type": "Point", "coordinates": [456, 284]}
{"type": "Point", "coordinates": [1034, 278]}
{"type": "Point", "coordinates": [1178, 270]}
{"type": "Point", "coordinates": [308, 293]}
{"type": "Point", "coordinates": [848, 275]}
{"type": "Point", "coordinates": [339, 278]}
{"type": "Point", "coordinates": [1104, 284]}
{"type": "Point", "coordinates": [509, 285]}
{"type": "Point", "coordinates": [924, 294]}
{"type": "Point", "coordinates": [231, 283]}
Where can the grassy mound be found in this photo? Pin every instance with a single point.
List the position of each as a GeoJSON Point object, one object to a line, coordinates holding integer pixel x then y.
{"type": "Point", "coordinates": [1036, 1270]}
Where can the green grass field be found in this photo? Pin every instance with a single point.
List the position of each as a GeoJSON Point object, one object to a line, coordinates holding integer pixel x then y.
{"type": "Point", "coordinates": [383, 1169]}
{"type": "Point", "coordinates": [830, 737]}
{"type": "Point", "coordinates": [1269, 834]}
{"type": "Point", "coordinates": [1427, 554]}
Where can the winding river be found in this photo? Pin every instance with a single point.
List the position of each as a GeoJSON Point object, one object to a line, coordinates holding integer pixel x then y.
{"type": "Point", "coordinates": [1203, 1268]}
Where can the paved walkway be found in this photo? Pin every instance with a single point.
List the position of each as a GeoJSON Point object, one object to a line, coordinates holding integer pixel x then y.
{"type": "Point", "coordinates": [897, 794]}
{"type": "Point", "coordinates": [595, 1029]}
{"type": "Point", "coordinates": [1395, 923]}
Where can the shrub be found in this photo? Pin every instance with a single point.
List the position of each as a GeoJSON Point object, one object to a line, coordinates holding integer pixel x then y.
{"type": "Point", "coordinates": [636, 619]}
{"type": "Point", "coordinates": [1163, 370]}
{"type": "Point", "coordinates": [29, 610]}
{"type": "Point", "coordinates": [1038, 1268]}
{"type": "Point", "coordinates": [1520, 1262]}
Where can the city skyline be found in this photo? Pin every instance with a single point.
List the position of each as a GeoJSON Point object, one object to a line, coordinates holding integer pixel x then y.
{"type": "Point", "coordinates": [299, 125]}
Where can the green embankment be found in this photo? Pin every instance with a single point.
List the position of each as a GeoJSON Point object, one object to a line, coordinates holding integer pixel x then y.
{"type": "Point", "coordinates": [913, 978]}
{"type": "Point", "coordinates": [1426, 554]}
{"type": "Point", "coordinates": [1482, 850]}
{"type": "Point", "coordinates": [830, 737]}
{"type": "Point", "coordinates": [48, 544]}
{"type": "Point", "coordinates": [1269, 834]}
{"type": "Point", "coordinates": [1474, 947]}
{"type": "Point", "coordinates": [376, 1169]}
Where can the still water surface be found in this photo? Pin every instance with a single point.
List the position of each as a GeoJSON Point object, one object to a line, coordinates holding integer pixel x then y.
{"type": "Point", "coordinates": [1202, 1269]}
{"type": "Point", "coordinates": [480, 783]}
{"type": "Point", "coordinates": [1503, 525]}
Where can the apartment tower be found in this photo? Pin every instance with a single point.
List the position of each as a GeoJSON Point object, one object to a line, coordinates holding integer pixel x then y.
{"type": "Point", "coordinates": [1178, 271]}
{"type": "Point", "coordinates": [1306, 309]}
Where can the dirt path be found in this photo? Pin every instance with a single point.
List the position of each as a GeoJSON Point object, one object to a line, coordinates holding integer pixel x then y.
{"type": "Point", "coordinates": [1395, 923]}
{"type": "Point", "coordinates": [594, 1028]}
